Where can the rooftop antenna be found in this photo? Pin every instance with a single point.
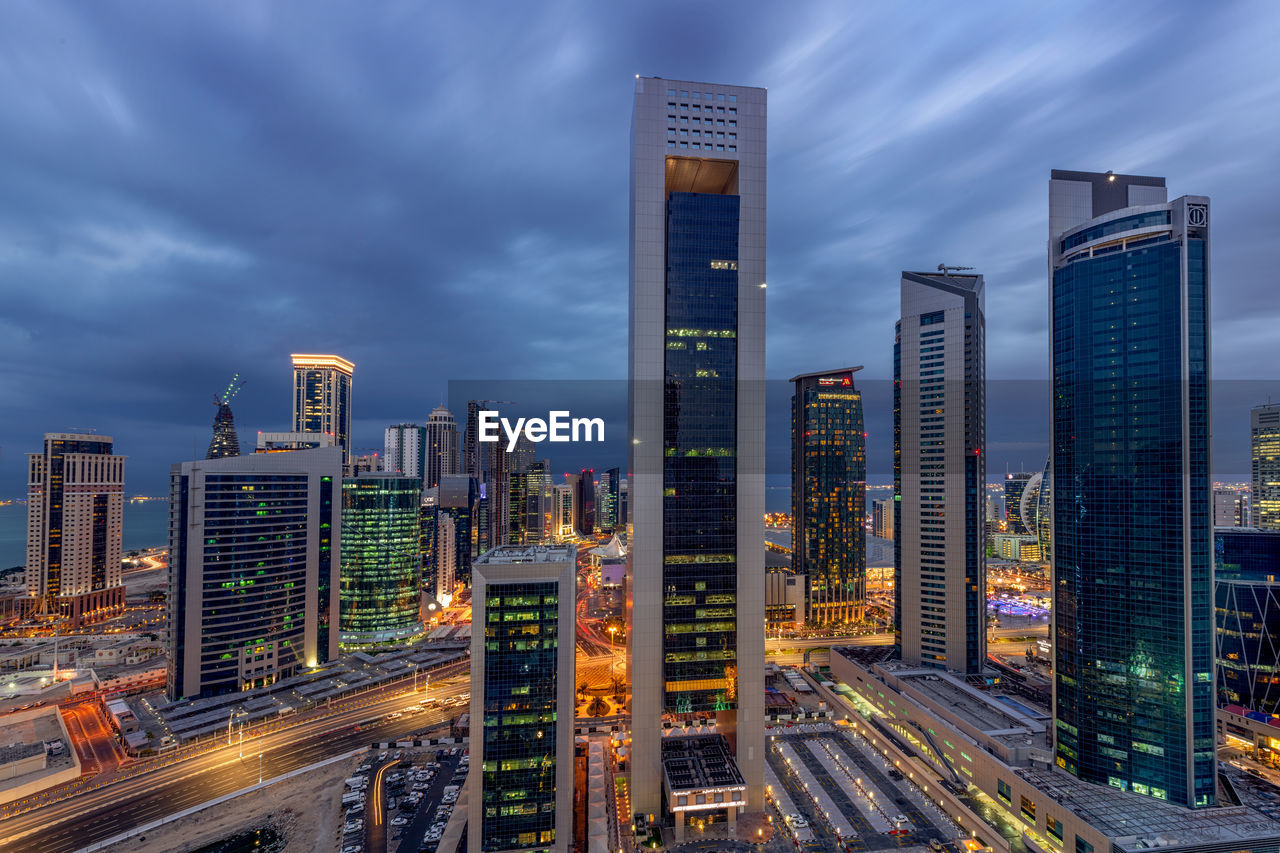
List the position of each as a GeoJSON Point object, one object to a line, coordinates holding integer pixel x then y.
{"type": "Point", "coordinates": [946, 269]}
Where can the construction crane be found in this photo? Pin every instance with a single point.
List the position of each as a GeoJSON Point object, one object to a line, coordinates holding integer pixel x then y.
{"type": "Point", "coordinates": [946, 269]}
{"type": "Point", "coordinates": [233, 388]}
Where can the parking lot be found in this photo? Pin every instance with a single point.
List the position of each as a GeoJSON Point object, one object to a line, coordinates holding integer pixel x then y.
{"type": "Point", "coordinates": [860, 795]}
{"type": "Point", "coordinates": [401, 799]}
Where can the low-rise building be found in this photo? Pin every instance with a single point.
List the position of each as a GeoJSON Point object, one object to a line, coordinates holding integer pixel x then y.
{"type": "Point", "coordinates": [997, 748]}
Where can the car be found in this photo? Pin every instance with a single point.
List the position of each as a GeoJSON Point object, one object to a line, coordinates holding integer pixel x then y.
{"type": "Point", "coordinates": [382, 756]}
{"type": "Point", "coordinates": [400, 821]}
{"type": "Point", "coordinates": [353, 825]}
{"type": "Point", "coordinates": [352, 848]}
{"type": "Point", "coordinates": [398, 755]}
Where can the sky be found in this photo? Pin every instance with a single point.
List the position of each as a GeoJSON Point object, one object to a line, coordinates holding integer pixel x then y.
{"type": "Point", "coordinates": [438, 192]}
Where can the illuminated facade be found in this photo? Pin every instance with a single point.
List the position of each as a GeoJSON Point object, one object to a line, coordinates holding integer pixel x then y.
{"type": "Point", "coordinates": [75, 514]}
{"type": "Point", "coordinates": [404, 449]}
{"type": "Point", "coordinates": [522, 700]}
{"type": "Point", "coordinates": [322, 397]}
{"type": "Point", "coordinates": [442, 447]}
{"type": "Point", "coordinates": [1264, 432]}
{"type": "Point", "coordinates": [253, 569]}
{"type": "Point", "coordinates": [225, 442]}
{"type": "Point", "coordinates": [939, 371]}
{"type": "Point", "coordinates": [381, 574]}
{"type": "Point", "coordinates": [1132, 538]}
{"type": "Point", "coordinates": [1247, 604]}
{"type": "Point", "coordinates": [828, 495]}
{"type": "Point", "coordinates": [696, 603]}
{"type": "Point", "coordinates": [1015, 521]}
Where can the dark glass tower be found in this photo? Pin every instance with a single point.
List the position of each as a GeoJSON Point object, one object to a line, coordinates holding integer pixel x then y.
{"type": "Point", "coordinates": [699, 531]}
{"type": "Point", "coordinates": [828, 495]}
{"type": "Point", "coordinates": [1132, 549]}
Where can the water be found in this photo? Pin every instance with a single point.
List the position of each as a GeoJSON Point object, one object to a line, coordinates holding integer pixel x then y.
{"type": "Point", "coordinates": [146, 525]}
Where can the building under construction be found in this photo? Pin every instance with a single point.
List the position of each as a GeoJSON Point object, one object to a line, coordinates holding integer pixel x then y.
{"type": "Point", "coordinates": [225, 442]}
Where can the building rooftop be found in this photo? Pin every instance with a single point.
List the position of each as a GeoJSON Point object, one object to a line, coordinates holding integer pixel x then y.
{"type": "Point", "coordinates": [699, 763]}
{"type": "Point", "coordinates": [1137, 823]}
{"type": "Point", "coordinates": [527, 554]}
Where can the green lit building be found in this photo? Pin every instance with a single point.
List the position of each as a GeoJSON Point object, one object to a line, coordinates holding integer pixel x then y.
{"type": "Point", "coordinates": [381, 576]}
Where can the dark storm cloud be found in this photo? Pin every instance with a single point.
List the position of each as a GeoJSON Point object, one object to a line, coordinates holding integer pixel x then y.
{"type": "Point", "coordinates": [439, 192]}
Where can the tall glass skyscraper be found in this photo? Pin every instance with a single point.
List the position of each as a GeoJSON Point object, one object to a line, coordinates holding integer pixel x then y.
{"type": "Point", "coordinates": [522, 708]}
{"type": "Point", "coordinates": [939, 472]}
{"type": "Point", "coordinates": [1264, 438]}
{"type": "Point", "coordinates": [381, 577]}
{"type": "Point", "coordinates": [322, 397]}
{"type": "Point", "coordinates": [696, 423]}
{"type": "Point", "coordinates": [829, 494]}
{"type": "Point", "coordinates": [1132, 535]}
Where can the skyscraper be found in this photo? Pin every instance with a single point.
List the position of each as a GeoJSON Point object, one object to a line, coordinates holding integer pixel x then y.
{"type": "Point", "coordinates": [459, 499]}
{"type": "Point", "coordinates": [522, 687]}
{"type": "Point", "coordinates": [585, 504]}
{"type": "Point", "coordinates": [1014, 486]}
{"type": "Point", "coordinates": [442, 447]}
{"type": "Point", "coordinates": [75, 514]}
{"type": "Point", "coordinates": [322, 397]}
{"type": "Point", "coordinates": [939, 472]}
{"type": "Point", "coordinates": [1264, 435]}
{"type": "Point", "coordinates": [1230, 508]}
{"type": "Point", "coordinates": [1247, 608]}
{"type": "Point", "coordinates": [253, 569]}
{"type": "Point", "coordinates": [828, 495]}
{"type": "Point", "coordinates": [381, 574]}
{"type": "Point", "coordinates": [1132, 524]}
{"type": "Point", "coordinates": [405, 450]}
{"type": "Point", "coordinates": [696, 421]}
{"type": "Point", "coordinates": [609, 493]}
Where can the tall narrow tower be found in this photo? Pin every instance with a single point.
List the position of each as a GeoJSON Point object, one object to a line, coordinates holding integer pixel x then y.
{"type": "Point", "coordinates": [322, 397]}
{"type": "Point", "coordinates": [696, 421]}
{"type": "Point", "coordinates": [442, 447]}
{"type": "Point", "coordinates": [1132, 524]}
{"type": "Point", "coordinates": [1264, 450]}
{"type": "Point", "coordinates": [939, 472]}
{"type": "Point", "coordinates": [75, 512]}
{"type": "Point", "coordinates": [828, 495]}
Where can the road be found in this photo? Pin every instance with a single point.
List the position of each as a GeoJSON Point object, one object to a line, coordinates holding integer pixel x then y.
{"type": "Point", "coordinates": [71, 824]}
{"type": "Point", "coordinates": [99, 751]}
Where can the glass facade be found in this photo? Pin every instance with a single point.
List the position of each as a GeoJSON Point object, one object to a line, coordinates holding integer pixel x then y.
{"type": "Point", "coordinates": [518, 781]}
{"type": "Point", "coordinates": [1264, 437]}
{"type": "Point", "coordinates": [828, 496]}
{"type": "Point", "coordinates": [1247, 605]}
{"type": "Point", "coordinates": [699, 535]}
{"type": "Point", "coordinates": [1131, 522]}
{"type": "Point", "coordinates": [322, 397]}
{"type": "Point", "coordinates": [253, 602]}
{"type": "Point", "coordinates": [381, 573]}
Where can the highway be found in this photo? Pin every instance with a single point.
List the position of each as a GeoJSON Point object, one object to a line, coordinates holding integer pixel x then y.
{"type": "Point", "coordinates": [102, 813]}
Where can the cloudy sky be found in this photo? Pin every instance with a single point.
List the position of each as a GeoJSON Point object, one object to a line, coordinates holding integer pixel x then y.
{"type": "Point", "coordinates": [438, 191]}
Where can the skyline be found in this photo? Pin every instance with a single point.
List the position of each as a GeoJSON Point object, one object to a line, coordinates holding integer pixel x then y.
{"type": "Point", "coordinates": [214, 234]}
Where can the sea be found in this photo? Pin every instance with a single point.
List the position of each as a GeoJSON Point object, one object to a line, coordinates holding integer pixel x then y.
{"type": "Point", "coordinates": [146, 525]}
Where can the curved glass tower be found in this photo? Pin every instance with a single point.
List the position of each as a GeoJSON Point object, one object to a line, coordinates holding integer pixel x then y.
{"type": "Point", "coordinates": [381, 568]}
{"type": "Point", "coordinates": [1132, 549]}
